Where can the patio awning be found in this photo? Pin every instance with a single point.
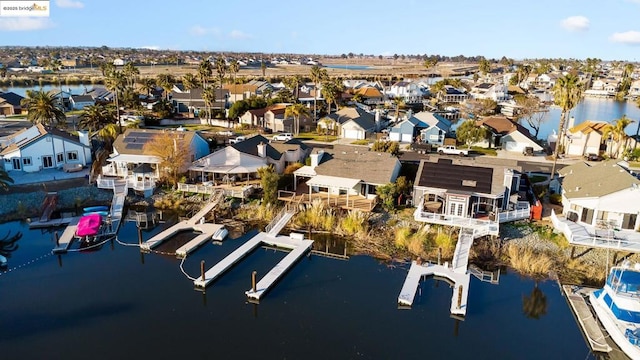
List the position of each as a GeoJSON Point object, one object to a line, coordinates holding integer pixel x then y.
{"type": "Point", "coordinates": [333, 182]}
{"type": "Point", "coordinates": [135, 159]}
{"type": "Point", "coordinates": [227, 169]}
{"type": "Point", "coordinates": [306, 171]}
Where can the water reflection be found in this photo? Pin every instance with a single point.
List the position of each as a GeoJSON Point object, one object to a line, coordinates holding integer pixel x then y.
{"type": "Point", "coordinates": [8, 244]}
{"type": "Point", "coordinates": [534, 306]}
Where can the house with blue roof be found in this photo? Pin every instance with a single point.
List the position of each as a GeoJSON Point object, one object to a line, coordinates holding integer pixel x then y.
{"type": "Point", "coordinates": [425, 127]}
{"type": "Point", "coordinates": [407, 130]}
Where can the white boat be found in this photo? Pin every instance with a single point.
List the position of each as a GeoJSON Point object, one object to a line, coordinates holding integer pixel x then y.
{"type": "Point", "coordinates": [220, 234]}
{"type": "Point", "coordinates": [617, 306]}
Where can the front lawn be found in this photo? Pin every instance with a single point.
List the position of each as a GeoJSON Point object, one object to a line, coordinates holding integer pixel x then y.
{"type": "Point", "coordinates": [316, 137]}
{"type": "Point", "coordinates": [485, 151]}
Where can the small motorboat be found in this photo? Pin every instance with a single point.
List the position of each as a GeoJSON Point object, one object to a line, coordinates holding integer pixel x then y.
{"type": "Point", "coordinates": [89, 225]}
{"type": "Point", "coordinates": [617, 306]}
{"type": "Point", "coordinates": [101, 213]}
{"type": "Point", "coordinates": [220, 234]}
{"type": "Point", "coordinates": [91, 209]}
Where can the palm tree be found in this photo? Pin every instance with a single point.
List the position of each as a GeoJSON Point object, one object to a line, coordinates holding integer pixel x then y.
{"type": "Point", "coordinates": [165, 81]}
{"type": "Point", "coordinates": [295, 111]}
{"type": "Point", "coordinates": [318, 74]}
{"type": "Point", "coordinates": [331, 91]}
{"type": "Point", "coordinates": [221, 69]}
{"type": "Point", "coordinates": [263, 67]}
{"type": "Point", "coordinates": [189, 82]}
{"type": "Point", "coordinates": [209, 97]}
{"type": "Point", "coordinates": [115, 82]}
{"type": "Point", "coordinates": [106, 68]}
{"type": "Point", "coordinates": [147, 85]}
{"type": "Point", "coordinates": [130, 73]}
{"type": "Point", "coordinates": [3, 71]}
{"type": "Point", "coordinates": [205, 69]}
{"type": "Point", "coordinates": [94, 117]}
{"type": "Point", "coordinates": [108, 134]}
{"type": "Point", "coordinates": [234, 67]}
{"type": "Point", "coordinates": [399, 104]}
{"type": "Point", "coordinates": [5, 180]}
{"type": "Point", "coordinates": [567, 93]}
{"type": "Point", "coordinates": [616, 132]}
{"type": "Point", "coordinates": [42, 108]}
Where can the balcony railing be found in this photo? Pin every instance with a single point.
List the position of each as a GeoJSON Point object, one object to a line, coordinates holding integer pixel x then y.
{"type": "Point", "coordinates": [578, 234]}
{"type": "Point", "coordinates": [132, 183]}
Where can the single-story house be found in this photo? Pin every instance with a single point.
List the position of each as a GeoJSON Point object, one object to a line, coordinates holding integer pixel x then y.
{"type": "Point", "coordinates": [507, 135]}
{"type": "Point", "coordinates": [601, 195]}
{"type": "Point", "coordinates": [345, 176]}
{"type": "Point", "coordinates": [243, 159]}
{"type": "Point", "coordinates": [36, 148]}
{"type": "Point", "coordinates": [10, 103]}
{"type": "Point", "coordinates": [333, 122]}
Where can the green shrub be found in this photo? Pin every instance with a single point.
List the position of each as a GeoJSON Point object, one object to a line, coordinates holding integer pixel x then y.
{"type": "Point", "coordinates": [555, 199]}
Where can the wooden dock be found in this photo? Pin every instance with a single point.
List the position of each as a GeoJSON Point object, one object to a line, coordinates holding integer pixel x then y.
{"type": "Point", "coordinates": [418, 272]}
{"type": "Point", "coordinates": [588, 323]}
{"type": "Point", "coordinates": [37, 224]}
{"type": "Point", "coordinates": [294, 242]}
{"type": "Point", "coordinates": [207, 230]}
{"type": "Point", "coordinates": [65, 240]}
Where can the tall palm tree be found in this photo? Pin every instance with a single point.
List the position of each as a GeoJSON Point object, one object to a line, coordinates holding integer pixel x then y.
{"type": "Point", "coordinates": [205, 69]}
{"type": "Point", "coordinates": [616, 132]}
{"type": "Point", "coordinates": [189, 82]}
{"type": "Point", "coordinates": [3, 71]}
{"type": "Point", "coordinates": [331, 91]}
{"type": "Point", "coordinates": [234, 67]}
{"type": "Point", "coordinates": [221, 69]}
{"type": "Point", "coordinates": [567, 93]}
{"type": "Point", "coordinates": [209, 97]}
{"type": "Point", "coordinates": [108, 134]}
{"type": "Point", "coordinates": [130, 73]}
{"type": "Point", "coordinates": [42, 108]}
{"type": "Point", "coordinates": [5, 180]}
{"type": "Point", "coordinates": [295, 111]}
{"type": "Point", "coordinates": [399, 104]}
{"type": "Point", "coordinates": [115, 82]}
{"type": "Point", "coordinates": [318, 74]}
{"type": "Point", "coordinates": [263, 67]}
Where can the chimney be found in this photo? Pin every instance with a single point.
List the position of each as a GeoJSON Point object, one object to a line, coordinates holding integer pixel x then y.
{"type": "Point", "coordinates": [377, 118]}
{"type": "Point", "coordinates": [262, 150]}
{"type": "Point", "coordinates": [83, 137]}
{"type": "Point", "coordinates": [315, 158]}
{"type": "Point", "coordinates": [572, 122]}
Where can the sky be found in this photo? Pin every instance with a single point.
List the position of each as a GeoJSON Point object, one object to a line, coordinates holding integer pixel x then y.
{"type": "Point", "coordinates": [520, 29]}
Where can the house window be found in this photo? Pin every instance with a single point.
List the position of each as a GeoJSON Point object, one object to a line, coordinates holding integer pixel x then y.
{"type": "Point", "coordinates": [26, 161]}
{"type": "Point", "coordinates": [587, 216]}
{"type": "Point", "coordinates": [72, 155]}
{"type": "Point", "coordinates": [629, 221]}
{"type": "Point", "coordinates": [59, 157]}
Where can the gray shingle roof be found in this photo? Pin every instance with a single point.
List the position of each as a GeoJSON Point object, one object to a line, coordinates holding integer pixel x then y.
{"type": "Point", "coordinates": [358, 163]}
{"type": "Point", "coordinates": [595, 180]}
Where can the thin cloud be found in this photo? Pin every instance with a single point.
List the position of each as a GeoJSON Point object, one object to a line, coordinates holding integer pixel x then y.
{"type": "Point", "coordinates": [575, 23]}
{"type": "Point", "coordinates": [198, 30]}
{"type": "Point", "coordinates": [70, 4]}
{"type": "Point", "coordinates": [628, 37]}
{"type": "Point", "coordinates": [634, 1]}
{"type": "Point", "coordinates": [239, 35]}
{"type": "Point", "coordinates": [25, 23]}
{"type": "Point", "coordinates": [151, 47]}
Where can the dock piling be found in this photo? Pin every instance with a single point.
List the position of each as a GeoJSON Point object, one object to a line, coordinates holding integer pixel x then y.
{"type": "Point", "coordinates": [55, 234]}
{"type": "Point", "coordinates": [459, 296]}
{"type": "Point", "coordinates": [202, 271]}
{"type": "Point", "coordinates": [139, 235]}
{"type": "Point", "coordinates": [439, 255]}
{"type": "Point", "coordinates": [253, 280]}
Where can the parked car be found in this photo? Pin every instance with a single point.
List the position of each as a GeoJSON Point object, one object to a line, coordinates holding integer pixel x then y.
{"type": "Point", "coordinates": [593, 157]}
{"type": "Point", "coordinates": [237, 139]}
{"type": "Point", "coordinates": [225, 133]}
{"type": "Point", "coordinates": [283, 137]}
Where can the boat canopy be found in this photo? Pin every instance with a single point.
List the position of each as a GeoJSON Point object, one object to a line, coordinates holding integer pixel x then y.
{"type": "Point", "coordinates": [89, 225]}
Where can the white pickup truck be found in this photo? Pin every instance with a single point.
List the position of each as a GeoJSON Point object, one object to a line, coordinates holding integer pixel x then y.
{"type": "Point", "coordinates": [452, 150]}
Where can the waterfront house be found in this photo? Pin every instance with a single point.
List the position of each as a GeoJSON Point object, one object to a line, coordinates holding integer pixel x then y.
{"type": "Point", "coordinates": [344, 177]}
{"type": "Point", "coordinates": [10, 104]}
{"type": "Point", "coordinates": [37, 148]}
{"type": "Point", "coordinates": [585, 138]}
{"type": "Point", "coordinates": [507, 135]}
{"type": "Point", "coordinates": [486, 189]}
{"type": "Point", "coordinates": [599, 205]}
{"type": "Point", "coordinates": [241, 161]}
{"type": "Point", "coordinates": [493, 91]}
{"type": "Point", "coordinates": [79, 102]}
{"type": "Point", "coordinates": [369, 94]}
{"type": "Point", "coordinates": [546, 80]}
{"type": "Point", "coordinates": [129, 156]}
{"type": "Point", "coordinates": [410, 91]}
{"type": "Point", "coordinates": [452, 95]}
{"type": "Point", "coordinates": [634, 90]}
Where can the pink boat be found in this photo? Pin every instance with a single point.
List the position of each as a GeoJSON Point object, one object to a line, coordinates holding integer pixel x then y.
{"type": "Point", "coordinates": [89, 225]}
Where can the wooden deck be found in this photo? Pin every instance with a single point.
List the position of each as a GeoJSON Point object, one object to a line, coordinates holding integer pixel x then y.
{"type": "Point", "coordinates": [65, 240]}
{"type": "Point", "coordinates": [352, 202]}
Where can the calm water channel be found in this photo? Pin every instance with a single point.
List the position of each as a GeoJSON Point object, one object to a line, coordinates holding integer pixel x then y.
{"type": "Point", "coordinates": [118, 304]}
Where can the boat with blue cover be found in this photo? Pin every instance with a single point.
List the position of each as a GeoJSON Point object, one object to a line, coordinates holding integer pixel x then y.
{"type": "Point", "coordinates": [95, 208]}
{"type": "Point", "coordinates": [617, 306]}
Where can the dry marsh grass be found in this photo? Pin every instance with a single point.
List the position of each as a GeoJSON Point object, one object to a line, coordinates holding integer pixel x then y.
{"type": "Point", "coordinates": [527, 261]}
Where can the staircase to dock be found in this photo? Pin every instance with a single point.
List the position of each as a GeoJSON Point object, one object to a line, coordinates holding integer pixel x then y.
{"type": "Point", "coordinates": [280, 221]}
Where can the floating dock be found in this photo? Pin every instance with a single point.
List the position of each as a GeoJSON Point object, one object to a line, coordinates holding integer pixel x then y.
{"type": "Point", "coordinates": [418, 272]}
{"type": "Point", "coordinates": [588, 323]}
{"type": "Point", "coordinates": [294, 242]}
{"type": "Point", "coordinates": [65, 240]}
{"type": "Point", "coordinates": [208, 230]}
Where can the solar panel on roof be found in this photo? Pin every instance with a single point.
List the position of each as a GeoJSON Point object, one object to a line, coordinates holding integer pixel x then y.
{"type": "Point", "coordinates": [133, 146]}
{"type": "Point", "coordinates": [129, 140]}
{"type": "Point", "coordinates": [141, 134]}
